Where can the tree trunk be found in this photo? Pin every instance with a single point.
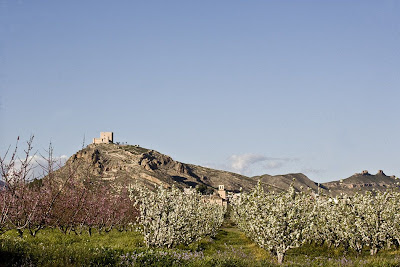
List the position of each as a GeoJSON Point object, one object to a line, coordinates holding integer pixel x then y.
{"type": "Point", "coordinates": [280, 257]}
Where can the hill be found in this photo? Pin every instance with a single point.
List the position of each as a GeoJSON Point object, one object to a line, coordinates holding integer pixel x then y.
{"type": "Point", "coordinates": [127, 163]}
{"type": "Point", "coordinates": [362, 182]}
{"type": "Point", "coordinates": [300, 181]}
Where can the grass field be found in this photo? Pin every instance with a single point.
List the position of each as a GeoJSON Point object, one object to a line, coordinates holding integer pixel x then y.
{"type": "Point", "coordinates": [229, 248]}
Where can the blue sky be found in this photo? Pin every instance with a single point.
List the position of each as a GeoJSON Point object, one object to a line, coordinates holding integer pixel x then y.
{"type": "Point", "coordinates": [248, 86]}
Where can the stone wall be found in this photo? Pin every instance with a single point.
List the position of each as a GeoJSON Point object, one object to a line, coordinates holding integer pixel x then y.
{"type": "Point", "coordinates": [105, 138]}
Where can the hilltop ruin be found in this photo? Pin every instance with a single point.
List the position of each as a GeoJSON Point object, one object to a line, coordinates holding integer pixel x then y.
{"type": "Point", "coordinates": [105, 138]}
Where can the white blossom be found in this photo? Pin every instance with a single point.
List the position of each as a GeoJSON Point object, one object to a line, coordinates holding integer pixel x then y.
{"type": "Point", "coordinates": [170, 217]}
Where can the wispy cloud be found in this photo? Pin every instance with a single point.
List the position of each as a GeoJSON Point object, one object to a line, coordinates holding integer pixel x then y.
{"type": "Point", "coordinates": [244, 162]}
{"type": "Point", "coordinates": [312, 171]}
{"type": "Point", "coordinates": [38, 165]}
{"type": "Point", "coordinates": [274, 164]}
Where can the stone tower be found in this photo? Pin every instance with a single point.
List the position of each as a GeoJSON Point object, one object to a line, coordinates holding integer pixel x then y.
{"type": "Point", "coordinates": [221, 191]}
{"type": "Point", "coordinates": [105, 138]}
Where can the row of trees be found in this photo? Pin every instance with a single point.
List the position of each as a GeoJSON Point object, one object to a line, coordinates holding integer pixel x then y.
{"type": "Point", "coordinates": [71, 201]}
{"type": "Point", "coordinates": [280, 221]}
{"type": "Point", "coordinates": [170, 217]}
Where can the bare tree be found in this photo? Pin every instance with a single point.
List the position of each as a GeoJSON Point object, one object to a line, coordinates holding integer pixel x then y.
{"type": "Point", "coordinates": [17, 206]}
{"type": "Point", "coordinates": [71, 199]}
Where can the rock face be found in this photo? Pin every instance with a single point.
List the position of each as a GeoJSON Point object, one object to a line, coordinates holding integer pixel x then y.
{"type": "Point", "coordinates": [365, 173]}
{"type": "Point", "coordinates": [122, 163]}
{"type": "Point", "coordinates": [154, 160]}
{"type": "Point", "coordinates": [133, 163]}
{"type": "Point", "coordinates": [380, 172]}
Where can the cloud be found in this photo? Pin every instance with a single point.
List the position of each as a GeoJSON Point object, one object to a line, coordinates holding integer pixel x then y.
{"type": "Point", "coordinates": [37, 166]}
{"type": "Point", "coordinates": [41, 164]}
{"type": "Point", "coordinates": [312, 171]}
{"type": "Point", "coordinates": [274, 164]}
{"type": "Point", "coordinates": [242, 163]}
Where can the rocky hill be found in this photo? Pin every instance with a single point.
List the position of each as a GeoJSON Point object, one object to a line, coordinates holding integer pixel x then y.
{"type": "Point", "coordinates": [127, 163]}
{"type": "Point", "coordinates": [363, 181]}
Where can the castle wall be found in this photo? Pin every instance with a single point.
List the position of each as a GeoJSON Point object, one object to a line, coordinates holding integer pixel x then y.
{"type": "Point", "coordinates": [97, 141]}
{"type": "Point", "coordinates": [105, 138]}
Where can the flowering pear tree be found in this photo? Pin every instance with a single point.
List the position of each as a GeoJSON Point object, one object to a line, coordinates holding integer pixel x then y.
{"type": "Point", "coordinates": [170, 217]}
{"type": "Point", "coordinates": [275, 221]}
{"type": "Point", "coordinates": [279, 221]}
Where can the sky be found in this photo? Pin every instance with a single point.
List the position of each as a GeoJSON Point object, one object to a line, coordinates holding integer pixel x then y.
{"type": "Point", "coordinates": [254, 87]}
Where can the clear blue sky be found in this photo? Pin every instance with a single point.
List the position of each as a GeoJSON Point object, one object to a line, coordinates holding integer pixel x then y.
{"type": "Point", "coordinates": [250, 86]}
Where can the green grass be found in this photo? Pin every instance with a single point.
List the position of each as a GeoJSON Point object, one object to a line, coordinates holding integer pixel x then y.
{"type": "Point", "coordinates": [231, 240]}
{"type": "Point", "coordinates": [229, 248]}
{"type": "Point", "coordinates": [51, 247]}
{"type": "Point", "coordinates": [313, 255]}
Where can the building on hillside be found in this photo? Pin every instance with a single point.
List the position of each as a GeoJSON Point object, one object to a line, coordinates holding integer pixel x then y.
{"type": "Point", "coordinates": [218, 197]}
{"type": "Point", "coordinates": [221, 191]}
{"type": "Point", "coordinates": [216, 200]}
{"type": "Point", "coordinates": [105, 138]}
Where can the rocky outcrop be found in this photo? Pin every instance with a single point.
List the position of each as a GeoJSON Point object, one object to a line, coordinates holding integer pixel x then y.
{"type": "Point", "coordinates": [92, 157]}
{"type": "Point", "coordinates": [363, 181]}
{"type": "Point", "coordinates": [114, 162]}
{"type": "Point", "coordinates": [365, 172]}
{"type": "Point", "coordinates": [154, 160]}
{"type": "Point", "coordinates": [380, 172]}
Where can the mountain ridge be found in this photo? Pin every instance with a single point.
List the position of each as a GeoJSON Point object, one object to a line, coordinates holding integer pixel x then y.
{"type": "Point", "coordinates": [128, 163]}
{"type": "Point", "coordinates": [362, 182]}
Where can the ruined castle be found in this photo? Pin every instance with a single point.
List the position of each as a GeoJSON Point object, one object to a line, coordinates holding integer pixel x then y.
{"type": "Point", "coordinates": [105, 138]}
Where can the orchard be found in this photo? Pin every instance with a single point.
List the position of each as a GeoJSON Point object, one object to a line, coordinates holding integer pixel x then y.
{"type": "Point", "coordinates": [285, 220]}
{"type": "Point", "coordinates": [76, 203]}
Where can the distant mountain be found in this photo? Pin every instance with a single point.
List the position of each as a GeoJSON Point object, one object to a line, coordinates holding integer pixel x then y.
{"type": "Point", "coordinates": [299, 181]}
{"type": "Point", "coordinates": [362, 182]}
